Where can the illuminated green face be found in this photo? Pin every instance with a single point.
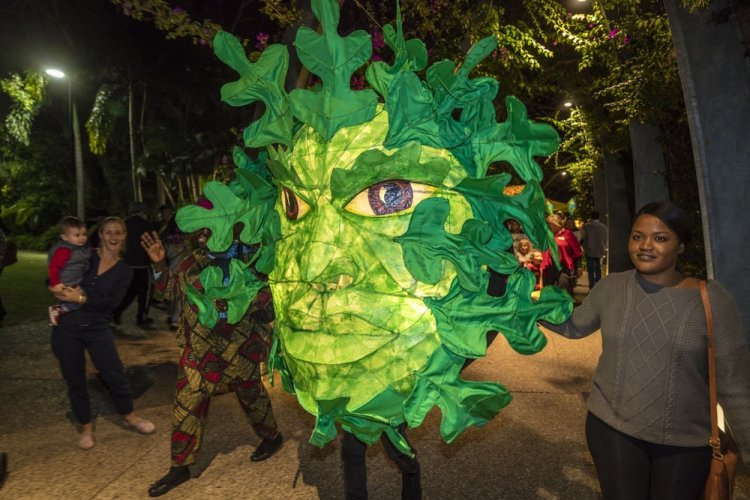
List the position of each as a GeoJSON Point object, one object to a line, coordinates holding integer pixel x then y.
{"type": "Point", "coordinates": [380, 227]}
{"type": "Point", "coordinates": [351, 317]}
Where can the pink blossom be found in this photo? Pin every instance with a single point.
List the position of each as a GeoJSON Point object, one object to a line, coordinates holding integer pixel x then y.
{"type": "Point", "coordinates": [178, 10]}
{"type": "Point", "coordinates": [376, 57]}
{"type": "Point", "coordinates": [378, 41]}
{"type": "Point", "coordinates": [127, 8]}
{"type": "Point", "coordinates": [613, 33]}
{"type": "Point", "coordinates": [626, 39]}
{"type": "Point", "coordinates": [357, 82]}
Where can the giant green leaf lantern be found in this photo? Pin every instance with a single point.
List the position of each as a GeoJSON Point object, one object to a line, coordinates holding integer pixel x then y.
{"type": "Point", "coordinates": [378, 223]}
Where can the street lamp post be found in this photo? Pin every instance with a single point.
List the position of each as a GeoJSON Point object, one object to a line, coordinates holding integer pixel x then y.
{"type": "Point", "coordinates": [76, 132]}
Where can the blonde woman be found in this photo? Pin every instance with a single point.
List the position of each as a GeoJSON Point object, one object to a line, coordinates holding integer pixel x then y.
{"type": "Point", "coordinates": [87, 330]}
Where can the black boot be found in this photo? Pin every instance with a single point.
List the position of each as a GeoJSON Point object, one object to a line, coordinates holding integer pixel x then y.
{"type": "Point", "coordinates": [3, 468]}
{"type": "Point", "coordinates": [411, 486]}
{"type": "Point", "coordinates": [175, 477]}
{"type": "Point", "coordinates": [267, 448]}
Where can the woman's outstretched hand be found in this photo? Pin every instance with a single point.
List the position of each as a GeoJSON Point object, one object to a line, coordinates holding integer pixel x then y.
{"type": "Point", "coordinates": [155, 250]}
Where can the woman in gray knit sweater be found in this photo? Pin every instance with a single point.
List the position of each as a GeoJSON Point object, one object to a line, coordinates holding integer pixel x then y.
{"type": "Point", "coordinates": [648, 424]}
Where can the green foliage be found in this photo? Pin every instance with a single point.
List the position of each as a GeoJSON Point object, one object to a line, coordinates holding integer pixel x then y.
{"type": "Point", "coordinates": [23, 289]}
{"type": "Point", "coordinates": [176, 22]}
{"type": "Point", "coordinates": [35, 183]}
{"type": "Point", "coordinates": [26, 93]}
{"type": "Point", "coordinates": [99, 123]}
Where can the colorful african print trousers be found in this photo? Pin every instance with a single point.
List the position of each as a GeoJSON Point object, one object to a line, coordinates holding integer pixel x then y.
{"type": "Point", "coordinates": [201, 376]}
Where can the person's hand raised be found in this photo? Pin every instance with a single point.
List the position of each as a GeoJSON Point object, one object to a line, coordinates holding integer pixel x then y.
{"type": "Point", "coordinates": [155, 250]}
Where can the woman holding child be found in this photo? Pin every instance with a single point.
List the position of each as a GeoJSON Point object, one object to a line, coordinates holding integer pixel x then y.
{"type": "Point", "coordinates": [87, 329]}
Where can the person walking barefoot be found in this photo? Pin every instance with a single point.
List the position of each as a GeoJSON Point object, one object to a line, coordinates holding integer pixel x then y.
{"type": "Point", "coordinates": [87, 330]}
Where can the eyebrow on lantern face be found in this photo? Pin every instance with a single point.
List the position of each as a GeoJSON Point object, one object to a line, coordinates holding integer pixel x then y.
{"type": "Point", "coordinates": [375, 166]}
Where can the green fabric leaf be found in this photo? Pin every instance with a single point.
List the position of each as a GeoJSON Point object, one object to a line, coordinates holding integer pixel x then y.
{"type": "Point", "coordinates": [239, 293]}
{"type": "Point", "coordinates": [334, 59]}
{"type": "Point", "coordinates": [462, 403]}
{"type": "Point", "coordinates": [426, 244]}
{"type": "Point", "coordinates": [260, 81]}
{"type": "Point", "coordinates": [227, 209]}
{"type": "Point", "coordinates": [517, 140]}
{"type": "Point", "coordinates": [464, 317]}
{"type": "Point", "coordinates": [375, 166]}
{"type": "Point", "coordinates": [410, 55]}
{"type": "Point", "coordinates": [528, 207]}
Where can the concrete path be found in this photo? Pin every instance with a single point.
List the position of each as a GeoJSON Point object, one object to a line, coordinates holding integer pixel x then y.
{"type": "Point", "coordinates": [535, 448]}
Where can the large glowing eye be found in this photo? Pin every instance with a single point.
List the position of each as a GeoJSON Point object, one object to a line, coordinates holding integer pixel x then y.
{"type": "Point", "coordinates": [294, 206]}
{"type": "Point", "coordinates": [389, 197]}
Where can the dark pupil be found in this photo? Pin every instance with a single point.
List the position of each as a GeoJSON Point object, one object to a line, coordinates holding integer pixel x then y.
{"type": "Point", "coordinates": [290, 204]}
{"type": "Point", "coordinates": [390, 197]}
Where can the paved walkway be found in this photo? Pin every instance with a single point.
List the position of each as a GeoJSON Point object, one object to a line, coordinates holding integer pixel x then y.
{"type": "Point", "coordinates": [534, 449]}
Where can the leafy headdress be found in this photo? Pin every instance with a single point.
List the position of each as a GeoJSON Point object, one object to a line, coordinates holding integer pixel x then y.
{"type": "Point", "coordinates": [447, 114]}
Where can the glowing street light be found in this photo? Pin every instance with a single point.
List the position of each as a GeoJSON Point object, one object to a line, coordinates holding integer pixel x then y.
{"type": "Point", "coordinates": [549, 181]}
{"type": "Point", "coordinates": [55, 73]}
{"type": "Point", "coordinates": [568, 104]}
{"type": "Point", "coordinates": [77, 152]}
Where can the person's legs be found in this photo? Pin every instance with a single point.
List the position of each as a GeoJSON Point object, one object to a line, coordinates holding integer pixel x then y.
{"type": "Point", "coordinates": [126, 301]}
{"type": "Point", "coordinates": [248, 387]}
{"type": "Point", "coordinates": [68, 348]}
{"type": "Point", "coordinates": [678, 472]}
{"type": "Point", "coordinates": [254, 400]}
{"type": "Point", "coordinates": [621, 461]}
{"type": "Point", "coordinates": [142, 284]}
{"type": "Point", "coordinates": [594, 268]}
{"type": "Point", "coordinates": [411, 483]}
{"type": "Point", "coordinates": [190, 408]}
{"type": "Point", "coordinates": [355, 467]}
{"type": "Point", "coordinates": [101, 348]}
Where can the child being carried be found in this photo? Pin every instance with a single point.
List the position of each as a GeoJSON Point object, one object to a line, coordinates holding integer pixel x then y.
{"type": "Point", "coordinates": [67, 262]}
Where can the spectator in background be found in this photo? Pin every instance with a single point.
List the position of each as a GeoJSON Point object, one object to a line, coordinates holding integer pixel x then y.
{"type": "Point", "coordinates": [594, 240]}
{"type": "Point", "coordinates": [93, 226]}
{"type": "Point", "coordinates": [569, 251]}
{"type": "Point", "coordinates": [137, 259]}
{"type": "Point", "coordinates": [177, 247]}
{"type": "Point", "coordinates": [516, 232]}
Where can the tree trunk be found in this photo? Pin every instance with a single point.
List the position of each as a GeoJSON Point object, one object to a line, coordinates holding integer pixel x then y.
{"type": "Point", "coordinates": [649, 172]}
{"type": "Point", "coordinates": [78, 156]}
{"type": "Point", "coordinates": [137, 195]}
{"type": "Point", "coordinates": [716, 86]}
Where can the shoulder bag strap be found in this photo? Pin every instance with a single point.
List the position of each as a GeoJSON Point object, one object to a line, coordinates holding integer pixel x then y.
{"type": "Point", "coordinates": [714, 442]}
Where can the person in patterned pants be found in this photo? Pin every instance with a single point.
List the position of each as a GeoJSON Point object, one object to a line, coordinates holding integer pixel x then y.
{"type": "Point", "coordinates": [214, 360]}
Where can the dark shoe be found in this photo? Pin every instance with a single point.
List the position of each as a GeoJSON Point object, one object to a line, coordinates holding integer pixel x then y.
{"type": "Point", "coordinates": [175, 477]}
{"type": "Point", "coordinates": [3, 468]}
{"type": "Point", "coordinates": [411, 486]}
{"type": "Point", "coordinates": [267, 448]}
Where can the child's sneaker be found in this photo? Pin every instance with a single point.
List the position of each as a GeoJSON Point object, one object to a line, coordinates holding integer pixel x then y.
{"type": "Point", "coordinates": [54, 315]}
